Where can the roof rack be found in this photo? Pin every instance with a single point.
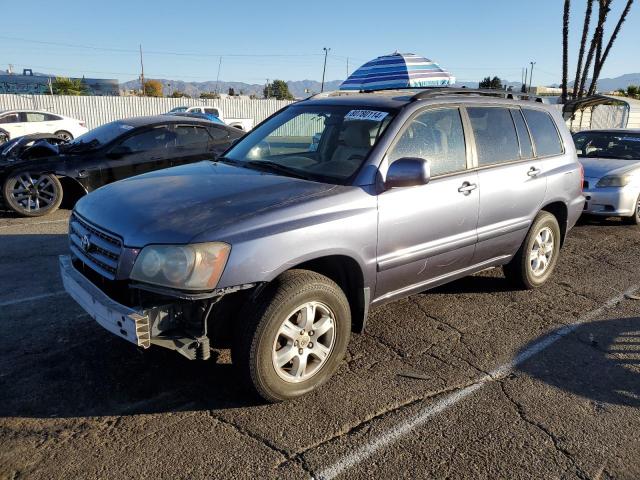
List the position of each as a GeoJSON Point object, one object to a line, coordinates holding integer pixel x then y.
{"type": "Point", "coordinates": [437, 91]}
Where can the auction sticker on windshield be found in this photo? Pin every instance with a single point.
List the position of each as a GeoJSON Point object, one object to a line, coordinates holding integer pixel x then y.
{"type": "Point", "coordinates": [372, 115]}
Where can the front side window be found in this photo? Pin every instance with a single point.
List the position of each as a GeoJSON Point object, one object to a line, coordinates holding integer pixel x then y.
{"type": "Point", "coordinates": [323, 143]}
{"type": "Point", "coordinates": [544, 132]}
{"type": "Point", "coordinates": [153, 139]}
{"type": "Point", "coordinates": [437, 136]}
{"type": "Point", "coordinates": [621, 144]}
{"type": "Point", "coordinates": [495, 135]}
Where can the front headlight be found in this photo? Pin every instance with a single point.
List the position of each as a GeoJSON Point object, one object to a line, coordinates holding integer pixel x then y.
{"type": "Point", "coordinates": [614, 181]}
{"type": "Point", "coordinates": [188, 267]}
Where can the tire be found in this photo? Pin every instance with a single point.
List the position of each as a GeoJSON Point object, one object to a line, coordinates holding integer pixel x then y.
{"type": "Point", "coordinates": [64, 135]}
{"type": "Point", "coordinates": [635, 218]}
{"type": "Point", "coordinates": [32, 195]}
{"type": "Point", "coordinates": [259, 339]}
{"type": "Point", "coordinates": [527, 272]}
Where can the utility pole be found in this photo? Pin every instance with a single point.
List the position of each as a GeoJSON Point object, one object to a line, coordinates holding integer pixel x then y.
{"type": "Point", "coordinates": [218, 77]}
{"type": "Point", "coordinates": [141, 71]}
{"type": "Point", "coordinates": [524, 84]}
{"type": "Point", "coordinates": [326, 52]}
{"type": "Point", "coordinates": [267, 88]}
{"type": "Point", "coordinates": [347, 67]}
{"type": "Point", "coordinates": [531, 76]}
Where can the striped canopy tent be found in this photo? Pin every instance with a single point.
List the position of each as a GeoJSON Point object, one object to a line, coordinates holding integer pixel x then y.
{"type": "Point", "coordinates": [398, 70]}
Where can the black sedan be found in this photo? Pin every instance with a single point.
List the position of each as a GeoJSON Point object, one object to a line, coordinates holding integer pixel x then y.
{"type": "Point", "coordinates": [35, 186]}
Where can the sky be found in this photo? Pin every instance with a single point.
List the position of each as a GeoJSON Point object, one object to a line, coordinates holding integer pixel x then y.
{"type": "Point", "coordinates": [285, 39]}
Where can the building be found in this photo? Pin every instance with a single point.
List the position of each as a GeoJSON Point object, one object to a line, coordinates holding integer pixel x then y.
{"type": "Point", "coordinates": [31, 84]}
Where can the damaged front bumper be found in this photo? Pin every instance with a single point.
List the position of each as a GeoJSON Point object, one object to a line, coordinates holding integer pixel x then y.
{"type": "Point", "coordinates": [174, 325]}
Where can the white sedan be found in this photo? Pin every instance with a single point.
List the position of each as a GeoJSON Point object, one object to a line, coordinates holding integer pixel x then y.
{"type": "Point", "coordinates": [25, 122]}
{"type": "Point", "coordinates": [611, 162]}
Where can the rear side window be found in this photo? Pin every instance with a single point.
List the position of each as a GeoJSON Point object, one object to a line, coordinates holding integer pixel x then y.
{"type": "Point", "coordinates": [544, 132]}
{"type": "Point", "coordinates": [435, 135]}
{"type": "Point", "coordinates": [495, 134]}
{"type": "Point", "coordinates": [192, 137]}
{"type": "Point", "coordinates": [526, 150]}
{"type": "Point", "coordinates": [35, 117]}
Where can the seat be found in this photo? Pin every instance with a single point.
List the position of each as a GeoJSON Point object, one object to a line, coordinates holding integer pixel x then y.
{"type": "Point", "coordinates": [354, 144]}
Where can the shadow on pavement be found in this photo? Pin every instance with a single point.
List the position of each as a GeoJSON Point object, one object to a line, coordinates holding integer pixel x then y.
{"type": "Point", "coordinates": [599, 361]}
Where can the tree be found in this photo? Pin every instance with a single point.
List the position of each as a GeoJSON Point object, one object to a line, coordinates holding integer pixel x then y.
{"type": "Point", "coordinates": [278, 89]}
{"type": "Point", "coordinates": [232, 92]}
{"type": "Point", "coordinates": [614, 35]}
{"type": "Point", "coordinates": [583, 44]}
{"type": "Point", "coordinates": [489, 82]}
{"type": "Point", "coordinates": [565, 49]}
{"type": "Point", "coordinates": [210, 95]}
{"type": "Point", "coordinates": [632, 91]}
{"type": "Point", "coordinates": [152, 88]}
{"type": "Point", "coordinates": [179, 94]}
{"type": "Point", "coordinates": [68, 86]}
{"type": "Point", "coordinates": [603, 6]}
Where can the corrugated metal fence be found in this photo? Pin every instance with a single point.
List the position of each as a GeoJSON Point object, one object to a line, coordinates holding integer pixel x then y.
{"type": "Point", "coordinates": [99, 110]}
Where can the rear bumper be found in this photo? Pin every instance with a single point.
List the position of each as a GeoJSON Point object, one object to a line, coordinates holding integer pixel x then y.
{"type": "Point", "coordinates": [118, 319]}
{"type": "Point", "coordinates": [611, 201]}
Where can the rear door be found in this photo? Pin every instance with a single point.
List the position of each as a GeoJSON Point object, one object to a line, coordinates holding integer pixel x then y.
{"type": "Point", "coordinates": [193, 143]}
{"type": "Point", "coordinates": [35, 122]}
{"type": "Point", "coordinates": [512, 181]}
{"type": "Point", "coordinates": [427, 232]}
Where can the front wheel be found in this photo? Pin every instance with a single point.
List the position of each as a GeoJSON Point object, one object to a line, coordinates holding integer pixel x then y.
{"type": "Point", "coordinates": [293, 337]}
{"type": "Point", "coordinates": [536, 259]}
{"type": "Point", "coordinates": [32, 195]}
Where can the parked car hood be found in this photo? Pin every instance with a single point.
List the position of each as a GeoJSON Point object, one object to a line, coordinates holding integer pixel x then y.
{"type": "Point", "coordinates": [176, 204]}
{"type": "Point", "coordinates": [599, 167]}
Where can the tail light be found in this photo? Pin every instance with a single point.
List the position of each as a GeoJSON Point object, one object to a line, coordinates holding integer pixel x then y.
{"type": "Point", "coordinates": [581, 178]}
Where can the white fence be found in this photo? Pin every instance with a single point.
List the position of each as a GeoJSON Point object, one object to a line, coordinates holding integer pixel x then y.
{"type": "Point", "coordinates": [100, 110]}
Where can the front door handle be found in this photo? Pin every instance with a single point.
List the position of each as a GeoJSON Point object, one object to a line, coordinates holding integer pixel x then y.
{"type": "Point", "coordinates": [534, 172]}
{"type": "Point", "coordinates": [466, 188]}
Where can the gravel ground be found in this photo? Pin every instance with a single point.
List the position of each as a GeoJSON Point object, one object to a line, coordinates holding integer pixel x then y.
{"type": "Point", "coordinates": [471, 380]}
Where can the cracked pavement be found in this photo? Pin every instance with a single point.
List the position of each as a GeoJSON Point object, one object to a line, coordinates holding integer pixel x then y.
{"type": "Point", "coordinates": [76, 402]}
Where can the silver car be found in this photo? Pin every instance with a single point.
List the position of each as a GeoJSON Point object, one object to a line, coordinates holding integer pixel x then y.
{"type": "Point", "coordinates": [332, 206]}
{"type": "Point", "coordinates": [611, 161]}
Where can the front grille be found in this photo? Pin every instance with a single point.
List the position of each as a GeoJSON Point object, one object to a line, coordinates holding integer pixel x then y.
{"type": "Point", "coordinates": [94, 247]}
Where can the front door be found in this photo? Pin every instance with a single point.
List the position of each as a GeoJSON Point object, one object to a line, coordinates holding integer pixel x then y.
{"type": "Point", "coordinates": [428, 232]}
{"type": "Point", "coordinates": [512, 183]}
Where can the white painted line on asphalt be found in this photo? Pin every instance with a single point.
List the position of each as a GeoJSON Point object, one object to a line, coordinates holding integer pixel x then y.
{"type": "Point", "coordinates": [401, 429]}
{"type": "Point", "coordinates": [34, 223]}
{"type": "Point", "coordinates": [28, 299]}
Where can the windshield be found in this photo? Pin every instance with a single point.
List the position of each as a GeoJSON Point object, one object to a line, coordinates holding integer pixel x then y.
{"type": "Point", "coordinates": [100, 136]}
{"type": "Point", "coordinates": [322, 143]}
{"type": "Point", "coordinates": [178, 110]}
{"type": "Point", "coordinates": [622, 145]}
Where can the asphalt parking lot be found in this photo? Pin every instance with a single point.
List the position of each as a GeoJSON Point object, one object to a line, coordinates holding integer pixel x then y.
{"type": "Point", "coordinates": [472, 380]}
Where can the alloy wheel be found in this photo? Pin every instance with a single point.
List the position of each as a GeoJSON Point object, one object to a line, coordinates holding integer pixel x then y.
{"type": "Point", "coordinates": [541, 251]}
{"type": "Point", "coordinates": [33, 192]}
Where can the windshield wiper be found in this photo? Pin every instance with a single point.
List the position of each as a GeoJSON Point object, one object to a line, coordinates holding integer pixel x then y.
{"type": "Point", "coordinates": [230, 161]}
{"type": "Point", "coordinates": [277, 168]}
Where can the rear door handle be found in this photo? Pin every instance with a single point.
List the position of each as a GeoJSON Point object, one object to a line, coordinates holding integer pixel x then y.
{"type": "Point", "coordinates": [466, 188]}
{"type": "Point", "coordinates": [534, 172]}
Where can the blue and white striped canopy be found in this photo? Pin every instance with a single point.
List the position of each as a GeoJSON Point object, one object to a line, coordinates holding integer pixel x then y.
{"type": "Point", "coordinates": [398, 70]}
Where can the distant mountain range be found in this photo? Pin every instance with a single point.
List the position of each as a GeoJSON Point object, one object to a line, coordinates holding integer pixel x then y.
{"type": "Point", "coordinates": [298, 88]}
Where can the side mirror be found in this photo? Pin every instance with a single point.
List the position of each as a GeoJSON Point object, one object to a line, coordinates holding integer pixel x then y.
{"type": "Point", "coordinates": [408, 172]}
{"type": "Point", "coordinates": [119, 151]}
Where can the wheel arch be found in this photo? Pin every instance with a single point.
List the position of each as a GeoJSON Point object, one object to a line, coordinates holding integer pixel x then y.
{"type": "Point", "coordinates": [349, 276]}
{"type": "Point", "coordinates": [72, 190]}
{"type": "Point", "coordinates": [559, 210]}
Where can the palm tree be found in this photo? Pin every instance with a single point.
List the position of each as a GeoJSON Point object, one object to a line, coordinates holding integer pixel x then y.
{"type": "Point", "coordinates": [597, 68]}
{"type": "Point", "coordinates": [603, 6]}
{"type": "Point", "coordinates": [583, 44]}
{"type": "Point", "coordinates": [565, 48]}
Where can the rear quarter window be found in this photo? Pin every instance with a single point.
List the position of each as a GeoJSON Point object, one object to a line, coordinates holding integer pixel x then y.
{"type": "Point", "coordinates": [544, 132]}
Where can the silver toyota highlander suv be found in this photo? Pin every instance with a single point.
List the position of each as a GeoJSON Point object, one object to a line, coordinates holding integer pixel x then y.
{"type": "Point", "coordinates": [331, 206]}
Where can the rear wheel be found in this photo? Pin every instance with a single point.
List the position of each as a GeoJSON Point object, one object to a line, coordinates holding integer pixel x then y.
{"type": "Point", "coordinates": [536, 259]}
{"type": "Point", "coordinates": [64, 135]}
{"type": "Point", "coordinates": [635, 218]}
{"type": "Point", "coordinates": [32, 195]}
{"type": "Point", "coordinates": [293, 337]}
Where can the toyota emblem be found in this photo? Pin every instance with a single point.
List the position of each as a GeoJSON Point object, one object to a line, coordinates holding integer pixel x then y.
{"type": "Point", "coordinates": [86, 242]}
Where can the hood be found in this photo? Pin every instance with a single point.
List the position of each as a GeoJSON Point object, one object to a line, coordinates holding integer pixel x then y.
{"type": "Point", "coordinates": [599, 167]}
{"type": "Point", "coordinates": [176, 204]}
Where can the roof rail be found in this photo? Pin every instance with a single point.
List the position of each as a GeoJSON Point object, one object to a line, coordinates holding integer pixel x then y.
{"type": "Point", "coordinates": [436, 91]}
